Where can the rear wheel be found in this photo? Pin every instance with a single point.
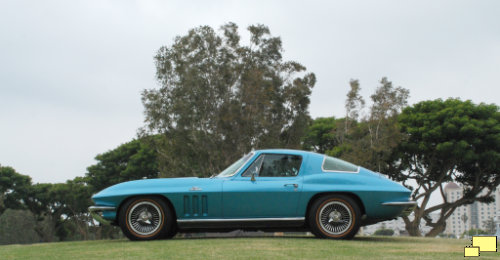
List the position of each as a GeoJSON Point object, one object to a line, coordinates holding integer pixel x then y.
{"type": "Point", "coordinates": [334, 216]}
{"type": "Point", "coordinates": [145, 218]}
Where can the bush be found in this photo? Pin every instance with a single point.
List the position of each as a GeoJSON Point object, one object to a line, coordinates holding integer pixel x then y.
{"type": "Point", "coordinates": [384, 232]}
{"type": "Point", "coordinates": [473, 232]}
{"type": "Point", "coordinates": [18, 227]}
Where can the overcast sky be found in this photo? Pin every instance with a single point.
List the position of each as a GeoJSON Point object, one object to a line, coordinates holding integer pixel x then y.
{"type": "Point", "coordinates": [71, 72]}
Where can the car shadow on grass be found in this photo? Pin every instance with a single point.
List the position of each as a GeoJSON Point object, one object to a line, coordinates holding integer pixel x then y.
{"type": "Point", "coordinates": [246, 235]}
{"type": "Point", "coordinates": [381, 239]}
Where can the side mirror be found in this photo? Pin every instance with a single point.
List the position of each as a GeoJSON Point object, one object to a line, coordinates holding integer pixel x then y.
{"type": "Point", "coordinates": [253, 177]}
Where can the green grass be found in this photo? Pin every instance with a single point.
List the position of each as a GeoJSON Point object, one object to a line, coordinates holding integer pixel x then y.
{"type": "Point", "coordinates": [248, 248]}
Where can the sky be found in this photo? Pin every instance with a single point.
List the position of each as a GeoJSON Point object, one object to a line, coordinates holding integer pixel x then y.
{"type": "Point", "coordinates": [72, 72]}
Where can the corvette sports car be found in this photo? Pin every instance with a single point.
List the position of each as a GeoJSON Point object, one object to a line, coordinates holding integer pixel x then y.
{"type": "Point", "coordinates": [268, 190]}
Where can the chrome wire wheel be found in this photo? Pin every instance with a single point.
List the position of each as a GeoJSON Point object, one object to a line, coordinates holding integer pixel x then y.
{"type": "Point", "coordinates": [145, 218]}
{"type": "Point", "coordinates": [335, 218]}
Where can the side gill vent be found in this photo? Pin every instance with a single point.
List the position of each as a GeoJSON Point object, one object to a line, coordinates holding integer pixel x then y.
{"type": "Point", "coordinates": [195, 206]}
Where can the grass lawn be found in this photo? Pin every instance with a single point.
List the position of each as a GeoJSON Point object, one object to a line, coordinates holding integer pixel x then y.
{"type": "Point", "coordinates": [249, 248]}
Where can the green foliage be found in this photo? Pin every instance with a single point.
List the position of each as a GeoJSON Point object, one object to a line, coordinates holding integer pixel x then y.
{"type": "Point", "coordinates": [452, 138]}
{"type": "Point", "coordinates": [366, 141]}
{"type": "Point", "coordinates": [38, 199]}
{"type": "Point", "coordinates": [449, 140]}
{"type": "Point", "coordinates": [475, 232]}
{"type": "Point", "coordinates": [372, 141]}
{"type": "Point", "coordinates": [54, 205]}
{"type": "Point", "coordinates": [13, 188]}
{"type": "Point", "coordinates": [320, 135]}
{"type": "Point", "coordinates": [354, 103]}
{"type": "Point", "coordinates": [384, 232]}
{"type": "Point", "coordinates": [60, 211]}
{"type": "Point", "coordinates": [17, 227]}
{"type": "Point", "coordinates": [218, 99]}
{"type": "Point", "coordinates": [443, 235]}
{"type": "Point", "coordinates": [388, 101]}
{"type": "Point", "coordinates": [490, 226]}
{"type": "Point", "coordinates": [130, 161]}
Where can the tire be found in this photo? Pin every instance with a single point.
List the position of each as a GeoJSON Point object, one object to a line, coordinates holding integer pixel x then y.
{"type": "Point", "coordinates": [334, 217]}
{"type": "Point", "coordinates": [171, 232]}
{"type": "Point", "coordinates": [145, 218]}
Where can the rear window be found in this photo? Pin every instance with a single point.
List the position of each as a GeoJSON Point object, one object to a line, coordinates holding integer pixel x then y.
{"type": "Point", "coordinates": [337, 165]}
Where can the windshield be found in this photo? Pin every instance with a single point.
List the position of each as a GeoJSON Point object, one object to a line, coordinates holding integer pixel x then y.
{"type": "Point", "coordinates": [231, 170]}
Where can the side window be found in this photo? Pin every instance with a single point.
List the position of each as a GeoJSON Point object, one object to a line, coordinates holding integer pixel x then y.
{"type": "Point", "coordinates": [280, 165]}
{"type": "Point", "coordinates": [254, 167]}
{"type": "Point", "coordinates": [335, 164]}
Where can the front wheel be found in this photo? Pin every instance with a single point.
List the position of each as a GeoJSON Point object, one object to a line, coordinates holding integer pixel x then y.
{"type": "Point", "coordinates": [145, 218]}
{"type": "Point", "coordinates": [334, 216]}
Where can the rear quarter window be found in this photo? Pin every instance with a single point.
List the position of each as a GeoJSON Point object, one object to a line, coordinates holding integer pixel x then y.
{"type": "Point", "coordinates": [331, 164]}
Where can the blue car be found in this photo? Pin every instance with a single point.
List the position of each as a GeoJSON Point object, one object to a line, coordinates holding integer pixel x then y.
{"type": "Point", "coordinates": [268, 190]}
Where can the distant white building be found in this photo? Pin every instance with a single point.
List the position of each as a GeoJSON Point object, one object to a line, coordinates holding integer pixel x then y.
{"type": "Point", "coordinates": [469, 216]}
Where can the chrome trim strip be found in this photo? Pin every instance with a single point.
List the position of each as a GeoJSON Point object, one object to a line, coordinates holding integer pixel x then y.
{"type": "Point", "coordinates": [93, 210]}
{"type": "Point", "coordinates": [400, 203]}
{"type": "Point", "coordinates": [101, 208]}
{"type": "Point", "coordinates": [238, 219]}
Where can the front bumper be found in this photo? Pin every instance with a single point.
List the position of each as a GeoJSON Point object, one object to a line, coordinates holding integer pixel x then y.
{"type": "Point", "coordinates": [95, 210]}
{"type": "Point", "coordinates": [408, 206]}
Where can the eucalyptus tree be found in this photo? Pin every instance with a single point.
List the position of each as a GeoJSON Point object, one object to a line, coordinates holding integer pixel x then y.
{"type": "Point", "coordinates": [219, 98]}
{"type": "Point", "coordinates": [369, 135]}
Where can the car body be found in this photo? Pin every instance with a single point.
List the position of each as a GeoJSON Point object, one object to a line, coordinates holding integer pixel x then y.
{"type": "Point", "coordinates": [275, 190]}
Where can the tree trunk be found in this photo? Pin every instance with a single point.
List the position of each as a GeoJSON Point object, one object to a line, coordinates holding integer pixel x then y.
{"type": "Point", "coordinates": [98, 233]}
{"type": "Point", "coordinates": [413, 229]}
{"type": "Point", "coordinates": [436, 230]}
{"type": "Point", "coordinates": [412, 226]}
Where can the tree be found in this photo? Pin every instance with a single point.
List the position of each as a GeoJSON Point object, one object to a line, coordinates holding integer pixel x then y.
{"type": "Point", "coordinates": [218, 99]}
{"type": "Point", "coordinates": [320, 135]}
{"type": "Point", "coordinates": [134, 160]}
{"type": "Point", "coordinates": [13, 188]}
{"type": "Point", "coordinates": [50, 212]}
{"type": "Point", "coordinates": [449, 140]}
{"type": "Point", "coordinates": [61, 211]}
{"type": "Point", "coordinates": [18, 193]}
{"type": "Point", "coordinates": [354, 104]}
{"type": "Point", "coordinates": [388, 101]}
{"type": "Point", "coordinates": [490, 226]}
{"type": "Point", "coordinates": [17, 227]}
{"type": "Point", "coordinates": [370, 141]}
{"type": "Point", "coordinates": [39, 201]}
{"type": "Point", "coordinates": [70, 205]}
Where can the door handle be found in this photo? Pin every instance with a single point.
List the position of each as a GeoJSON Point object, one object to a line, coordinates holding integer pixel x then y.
{"type": "Point", "coordinates": [295, 185]}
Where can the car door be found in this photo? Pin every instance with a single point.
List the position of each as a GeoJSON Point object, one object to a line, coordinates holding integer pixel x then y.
{"type": "Point", "coordinates": [273, 191]}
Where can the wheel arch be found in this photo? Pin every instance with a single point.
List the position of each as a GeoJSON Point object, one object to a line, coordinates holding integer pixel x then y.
{"type": "Point", "coordinates": [349, 194]}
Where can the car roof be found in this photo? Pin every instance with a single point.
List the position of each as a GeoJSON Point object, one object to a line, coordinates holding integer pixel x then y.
{"type": "Point", "coordinates": [287, 151]}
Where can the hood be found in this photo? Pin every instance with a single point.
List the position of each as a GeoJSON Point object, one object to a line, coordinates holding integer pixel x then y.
{"type": "Point", "coordinates": [149, 186]}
